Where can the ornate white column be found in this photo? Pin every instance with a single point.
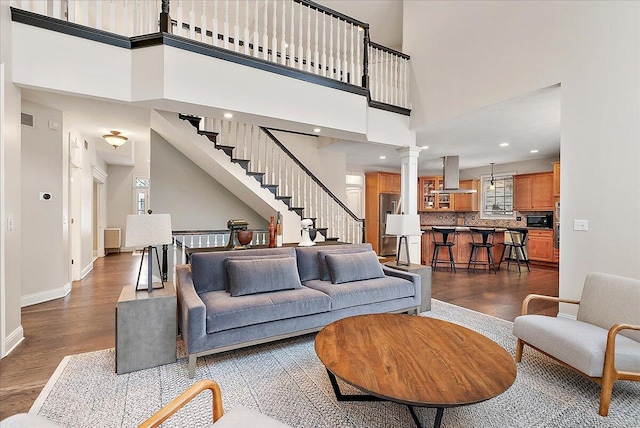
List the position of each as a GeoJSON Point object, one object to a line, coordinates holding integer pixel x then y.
{"type": "Point", "coordinates": [409, 192]}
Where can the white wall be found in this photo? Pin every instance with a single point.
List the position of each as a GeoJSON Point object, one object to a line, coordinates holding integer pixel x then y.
{"type": "Point", "coordinates": [11, 332]}
{"type": "Point", "coordinates": [467, 55]}
{"type": "Point", "coordinates": [193, 198]}
{"type": "Point", "coordinates": [330, 167]}
{"type": "Point", "coordinates": [523, 167]}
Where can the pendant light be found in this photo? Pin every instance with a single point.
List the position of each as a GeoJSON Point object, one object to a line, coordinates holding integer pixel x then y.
{"type": "Point", "coordinates": [115, 139]}
{"type": "Point", "coordinates": [492, 187]}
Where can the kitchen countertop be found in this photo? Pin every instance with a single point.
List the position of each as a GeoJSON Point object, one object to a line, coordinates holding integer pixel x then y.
{"type": "Point", "coordinates": [463, 228]}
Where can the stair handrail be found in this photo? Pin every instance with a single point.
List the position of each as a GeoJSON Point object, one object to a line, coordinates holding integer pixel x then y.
{"type": "Point", "coordinates": [311, 174]}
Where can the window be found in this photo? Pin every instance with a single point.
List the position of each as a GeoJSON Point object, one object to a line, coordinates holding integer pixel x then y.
{"type": "Point", "coordinates": [141, 195]}
{"type": "Point", "coordinates": [497, 198]}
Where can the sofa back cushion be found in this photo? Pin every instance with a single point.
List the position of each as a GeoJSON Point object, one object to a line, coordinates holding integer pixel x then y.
{"type": "Point", "coordinates": [353, 267]}
{"type": "Point", "coordinates": [210, 273]}
{"type": "Point", "coordinates": [262, 275]}
{"type": "Point", "coordinates": [609, 299]}
{"type": "Point", "coordinates": [309, 263]}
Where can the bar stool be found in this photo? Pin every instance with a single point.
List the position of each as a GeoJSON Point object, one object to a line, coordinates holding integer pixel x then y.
{"type": "Point", "coordinates": [443, 237]}
{"type": "Point", "coordinates": [482, 238]}
{"type": "Point", "coordinates": [517, 245]}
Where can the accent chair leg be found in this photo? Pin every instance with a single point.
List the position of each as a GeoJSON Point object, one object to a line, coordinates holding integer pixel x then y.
{"type": "Point", "coordinates": [609, 376]}
{"type": "Point", "coordinates": [519, 348]}
{"type": "Point", "coordinates": [192, 365]}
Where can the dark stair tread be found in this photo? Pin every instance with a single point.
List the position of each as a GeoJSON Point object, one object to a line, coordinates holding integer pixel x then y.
{"type": "Point", "coordinates": [193, 120]}
{"type": "Point", "coordinates": [285, 199]}
{"type": "Point", "coordinates": [211, 135]}
{"type": "Point", "coordinates": [273, 188]}
{"type": "Point", "coordinates": [244, 163]}
{"type": "Point", "coordinates": [298, 210]}
{"type": "Point", "coordinates": [331, 239]}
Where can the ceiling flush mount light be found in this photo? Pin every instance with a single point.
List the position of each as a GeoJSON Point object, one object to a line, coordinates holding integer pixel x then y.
{"type": "Point", "coordinates": [504, 144]}
{"type": "Point", "coordinates": [228, 115]}
{"type": "Point", "coordinates": [317, 130]}
{"type": "Point", "coordinates": [115, 139]}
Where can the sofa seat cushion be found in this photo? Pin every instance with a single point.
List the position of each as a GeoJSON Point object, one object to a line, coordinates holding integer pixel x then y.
{"type": "Point", "coordinates": [225, 312]}
{"type": "Point", "coordinates": [358, 293]}
{"type": "Point", "coordinates": [353, 267]}
{"type": "Point", "coordinates": [242, 417]}
{"type": "Point", "coordinates": [262, 275]}
{"type": "Point", "coordinates": [578, 344]}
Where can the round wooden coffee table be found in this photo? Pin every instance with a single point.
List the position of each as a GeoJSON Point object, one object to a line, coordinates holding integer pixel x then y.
{"type": "Point", "coordinates": [417, 361]}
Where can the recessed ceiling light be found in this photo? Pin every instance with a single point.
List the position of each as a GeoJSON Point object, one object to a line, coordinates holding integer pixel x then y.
{"type": "Point", "coordinates": [228, 115]}
{"type": "Point", "coordinates": [317, 130]}
{"type": "Point", "coordinates": [504, 144]}
{"type": "Point", "coordinates": [382, 157]}
{"type": "Point", "coordinates": [533, 151]}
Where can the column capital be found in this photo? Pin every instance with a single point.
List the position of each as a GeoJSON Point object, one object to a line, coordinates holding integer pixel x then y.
{"type": "Point", "coordinates": [410, 151]}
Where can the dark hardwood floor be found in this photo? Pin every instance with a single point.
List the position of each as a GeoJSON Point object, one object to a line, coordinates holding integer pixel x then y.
{"type": "Point", "coordinates": [84, 321]}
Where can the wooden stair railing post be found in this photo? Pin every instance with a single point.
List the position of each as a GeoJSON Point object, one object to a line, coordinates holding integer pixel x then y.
{"type": "Point", "coordinates": [365, 59]}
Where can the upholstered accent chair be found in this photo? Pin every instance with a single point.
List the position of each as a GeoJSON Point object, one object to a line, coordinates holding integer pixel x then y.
{"type": "Point", "coordinates": [602, 343]}
{"type": "Point", "coordinates": [238, 417]}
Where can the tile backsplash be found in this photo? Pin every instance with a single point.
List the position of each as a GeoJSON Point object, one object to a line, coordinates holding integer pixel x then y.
{"type": "Point", "coordinates": [472, 219]}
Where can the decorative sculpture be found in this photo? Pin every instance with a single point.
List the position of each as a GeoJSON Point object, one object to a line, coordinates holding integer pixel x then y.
{"type": "Point", "coordinates": [307, 225]}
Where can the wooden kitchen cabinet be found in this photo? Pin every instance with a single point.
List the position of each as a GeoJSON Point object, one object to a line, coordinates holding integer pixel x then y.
{"type": "Point", "coordinates": [433, 201]}
{"type": "Point", "coordinates": [540, 245]}
{"type": "Point", "coordinates": [375, 184]}
{"type": "Point", "coordinates": [533, 192]}
{"type": "Point", "coordinates": [556, 179]}
{"type": "Point", "coordinates": [466, 201]}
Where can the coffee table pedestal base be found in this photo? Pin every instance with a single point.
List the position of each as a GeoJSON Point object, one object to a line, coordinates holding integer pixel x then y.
{"type": "Point", "coordinates": [366, 397]}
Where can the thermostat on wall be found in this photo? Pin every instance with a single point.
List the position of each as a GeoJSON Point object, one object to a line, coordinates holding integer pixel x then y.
{"type": "Point", "coordinates": [45, 196]}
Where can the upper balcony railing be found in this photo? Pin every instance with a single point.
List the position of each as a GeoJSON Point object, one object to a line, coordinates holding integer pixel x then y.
{"type": "Point", "coordinates": [297, 34]}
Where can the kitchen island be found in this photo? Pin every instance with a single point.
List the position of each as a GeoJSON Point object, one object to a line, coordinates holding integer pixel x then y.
{"type": "Point", "coordinates": [462, 248]}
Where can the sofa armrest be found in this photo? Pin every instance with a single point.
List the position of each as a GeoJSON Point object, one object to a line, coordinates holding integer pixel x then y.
{"type": "Point", "coordinates": [530, 297]}
{"type": "Point", "coordinates": [192, 312]}
{"type": "Point", "coordinates": [416, 279]}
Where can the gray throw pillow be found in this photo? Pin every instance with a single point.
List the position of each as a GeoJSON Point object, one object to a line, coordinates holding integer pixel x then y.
{"type": "Point", "coordinates": [354, 267]}
{"type": "Point", "coordinates": [325, 275]}
{"type": "Point", "coordinates": [269, 256]}
{"type": "Point", "coordinates": [262, 275]}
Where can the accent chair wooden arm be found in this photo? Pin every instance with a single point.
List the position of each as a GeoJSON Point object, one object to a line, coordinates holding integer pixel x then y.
{"type": "Point", "coordinates": [181, 400]}
{"type": "Point", "coordinates": [530, 297]}
{"type": "Point", "coordinates": [609, 373]}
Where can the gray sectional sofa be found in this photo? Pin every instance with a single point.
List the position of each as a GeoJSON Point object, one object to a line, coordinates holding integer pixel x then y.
{"type": "Point", "coordinates": [233, 299]}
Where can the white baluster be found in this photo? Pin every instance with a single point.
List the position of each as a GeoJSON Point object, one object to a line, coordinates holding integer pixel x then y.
{"type": "Point", "coordinates": [57, 9]}
{"type": "Point", "coordinates": [387, 72]}
{"type": "Point", "coordinates": [330, 74]}
{"type": "Point", "coordinates": [274, 39]}
{"type": "Point", "coordinates": [154, 15]}
{"type": "Point", "coordinates": [225, 26]}
{"type": "Point", "coordinates": [265, 37]}
{"type": "Point", "coordinates": [353, 78]}
{"type": "Point", "coordinates": [283, 42]}
{"type": "Point", "coordinates": [308, 55]}
{"type": "Point", "coordinates": [316, 54]}
{"type": "Point", "coordinates": [112, 17]}
{"type": "Point", "coordinates": [84, 9]}
{"type": "Point", "coordinates": [396, 80]}
{"type": "Point", "coordinates": [236, 28]}
{"type": "Point", "coordinates": [338, 62]}
{"type": "Point", "coordinates": [324, 45]}
{"type": "Point", "coordinates": [203, 22]}
{"type": "Point", "coordinates": [407, 102]}
{"type": "Point", "coordinates": [214, 24]}
{"type": "Point", "coordinates": [71, 11]}
{"type": "Point", "coordinates": [246, 28]}
{"type": "Point", "coordinates": [345, 66]}
{"type": "Point", "coordinates": [98, 15]}
{"type": "Point", "coordinates": [357, 80]}
{"type": "Point", "coordinates": [136, 19]}
{"type": "Point", "coordinates": [256, 34]}
{"type": "Point", "coordinates": [292, 40]}
{"type": "Point", "coordinates": [192, 21]}
{"type": "Point", "coordinates": [300, 50]}
{"type": "Point", "coordinates": [179, 19]}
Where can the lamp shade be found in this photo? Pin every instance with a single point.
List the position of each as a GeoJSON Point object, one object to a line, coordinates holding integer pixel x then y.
{"type": "Point", "coordinates": [147, 230]}
{"type": "Point", "coordinates": [403, 224]}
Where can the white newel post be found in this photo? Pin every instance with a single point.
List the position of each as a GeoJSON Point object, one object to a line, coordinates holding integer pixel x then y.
{"type": "Point", "coordinates": [409, 192]}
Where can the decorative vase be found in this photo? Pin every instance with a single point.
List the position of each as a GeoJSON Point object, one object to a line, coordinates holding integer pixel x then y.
{"type": "Point", "coordinates": [272, 233]}
{"type": "Point", "coordinates": [245, 237]}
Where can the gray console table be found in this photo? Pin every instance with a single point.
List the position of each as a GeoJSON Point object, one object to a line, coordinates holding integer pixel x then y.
{"type": "Point", "coordinates": [145, 328]}
{"type": "Point", "coordinates": [425, 281]}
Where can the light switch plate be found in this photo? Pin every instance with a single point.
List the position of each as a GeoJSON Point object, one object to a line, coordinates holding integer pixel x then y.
{"type": "Point", "coordinates": [582, 225]}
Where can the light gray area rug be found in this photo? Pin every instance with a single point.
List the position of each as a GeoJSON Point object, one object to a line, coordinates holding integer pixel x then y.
{"type": "Point", "coordinates": [288, 382]}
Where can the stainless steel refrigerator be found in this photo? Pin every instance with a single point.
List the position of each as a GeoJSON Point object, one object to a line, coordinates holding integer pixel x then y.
{"type": "Point", "coordinates": [389, 204]}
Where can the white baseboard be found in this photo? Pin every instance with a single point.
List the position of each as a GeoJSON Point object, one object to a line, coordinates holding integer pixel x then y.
{"type": "Point", "coordinates": [88, 268]}
{"type": "Point", "coordinates": [13, 340]}
{"type": "Point", "coordinates": [45, 296]}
